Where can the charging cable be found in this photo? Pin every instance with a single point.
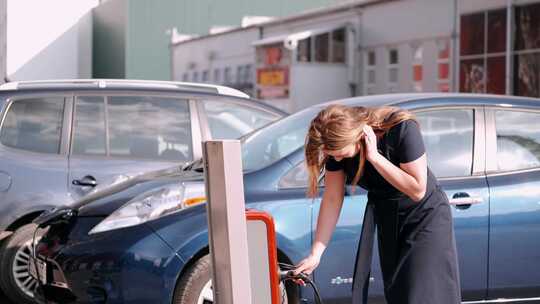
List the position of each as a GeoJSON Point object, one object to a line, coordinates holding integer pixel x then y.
{"type": "Point", "coordinates": [286, 273]}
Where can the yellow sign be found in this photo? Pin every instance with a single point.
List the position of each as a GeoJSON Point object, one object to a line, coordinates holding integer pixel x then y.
{"type": "Point", "coordinates": [274, 77]}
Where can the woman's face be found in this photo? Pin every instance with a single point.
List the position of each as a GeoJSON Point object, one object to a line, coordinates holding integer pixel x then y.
{"type": "Point", "coordinates": [347, 152]}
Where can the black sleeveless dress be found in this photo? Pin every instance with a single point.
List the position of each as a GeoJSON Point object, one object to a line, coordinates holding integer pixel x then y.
{"type": "Point", "coordinates": [416, 239]}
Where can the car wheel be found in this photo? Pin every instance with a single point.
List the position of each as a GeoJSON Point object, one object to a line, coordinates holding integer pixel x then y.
{"type": "Point", "coordinates": [15, 279]}
{"type": "Point", "coordinates": [195, 286]}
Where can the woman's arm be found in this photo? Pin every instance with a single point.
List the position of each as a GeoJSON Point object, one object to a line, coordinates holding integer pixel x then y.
{"type": "Point", "coordinates": [332, 201]}
{"type": "Point", "coordinates": [409, 178]}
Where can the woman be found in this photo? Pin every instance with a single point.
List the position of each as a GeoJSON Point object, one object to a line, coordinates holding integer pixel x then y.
{"type": "Point", "coordinates": [381, 150]}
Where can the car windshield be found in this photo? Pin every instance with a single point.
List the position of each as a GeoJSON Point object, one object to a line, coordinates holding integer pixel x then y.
{"type": "Point", "coordinates": [277, 140]}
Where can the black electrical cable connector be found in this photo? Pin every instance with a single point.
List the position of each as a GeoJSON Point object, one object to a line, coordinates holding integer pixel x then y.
{"type": "Point", "coordinates": [286, 272]}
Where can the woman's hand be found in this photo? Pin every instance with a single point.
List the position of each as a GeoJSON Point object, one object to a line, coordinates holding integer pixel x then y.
{"type": "Point", "coordinates": [307, 266]}
{"type": "Point", "coordinates": [370, 139]}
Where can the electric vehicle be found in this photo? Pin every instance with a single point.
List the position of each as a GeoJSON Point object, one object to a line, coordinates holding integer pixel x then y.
{"type": "Point", "coordinates": [61, 139]}
{"type": "Point", "coordinates": [144, 239]}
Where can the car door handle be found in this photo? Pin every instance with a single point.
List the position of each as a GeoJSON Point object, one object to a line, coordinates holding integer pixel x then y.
{"type": "Point", "coordinates": [87, 181]}
{"type": "Point", "coordinates": [463, 200]}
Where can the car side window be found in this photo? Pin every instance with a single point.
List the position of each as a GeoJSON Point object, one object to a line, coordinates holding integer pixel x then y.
{"type": "Point", "coordinates": [448, 138]}
{"type": "Point", "coordinates": [518, 140]}
{"type": "Point", "coordinates": [149, 127]}
{"type": "Point", "coordinates": [89, 126]}
{"type": "Point", "coordinates": [227, 120]}
{"type": "Point", "coordinates": [156, 128]}
{"type": "Point", "coordinates": [295, 178]}
{"type": "Point", "coordinates": [34, 125]}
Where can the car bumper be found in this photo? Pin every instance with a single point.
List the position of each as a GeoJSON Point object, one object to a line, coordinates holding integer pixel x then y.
{"type": "Point", "coordinates": [130, 265]}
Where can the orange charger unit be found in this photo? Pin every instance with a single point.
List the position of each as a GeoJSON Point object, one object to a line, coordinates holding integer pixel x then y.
{"type": "Point", "coordinates": [263, 261]}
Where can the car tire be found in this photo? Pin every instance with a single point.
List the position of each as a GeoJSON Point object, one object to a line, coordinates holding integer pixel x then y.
{"type": "Point", "coordinates": [15, 280]}
{"type": "Point", "coordinates": [195, 285]}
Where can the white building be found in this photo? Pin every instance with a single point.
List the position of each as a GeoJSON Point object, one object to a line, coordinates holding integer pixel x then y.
{"type": "Point", "coordinates": [224, 58]}
{"type": "Point", "coordinates": [309, 58]}
{"type": "Point", "coordinates": [373, 47]}
{"type": "Point", "coordinates": [3, 38]}
{"type": "Point", "coordinates": [49, 39]}
{"type": "Point", "coordinates": [264, 60]}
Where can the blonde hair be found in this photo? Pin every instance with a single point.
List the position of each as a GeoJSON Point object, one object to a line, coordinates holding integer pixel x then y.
{"type": "Point", "coordinates": [337, 126]}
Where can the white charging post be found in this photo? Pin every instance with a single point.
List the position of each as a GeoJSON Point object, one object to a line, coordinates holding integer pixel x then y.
{"type": "Point", "coordinates": [227, 222]}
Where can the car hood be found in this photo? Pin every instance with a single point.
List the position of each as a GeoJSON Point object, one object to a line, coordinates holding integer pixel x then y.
{"type": "Point", "coordinates": [107, 202]}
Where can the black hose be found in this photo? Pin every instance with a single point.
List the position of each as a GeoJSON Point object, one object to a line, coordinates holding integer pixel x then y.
{"type": "Point", "coordinates": [288, 274]}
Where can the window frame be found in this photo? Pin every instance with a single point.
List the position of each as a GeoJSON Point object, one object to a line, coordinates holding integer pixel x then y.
{"type": "Point", "coordinates": [66, 122]}
{"type": "Point", "coordinates": [492, 167]}
{"type": "Point", "coordinates": [239, 76]}
{"type": "Point", "coordinates": [281, 186]}
{"type": "Point", "coordinates": [196, 149]}
{"type": "Point", "coordinates": [330, 48]}
{"type": "Point", "coordinates": [479, 141]}
{"type": "Point", "coordinates": [72, 127]}
{"type": "Point", "coordinates": [514, 52]}
{"type": "Point", "coordinates": [417, 63]}
{"type": "Point", "coordinates": [248, 73]}
{"type": "Point", "coordinates": [323, 46]}
{"type": "Point", "coordinates": [444, 61]}
{"type": "Point", "coordinates": [205, 78]}
{"type": "Point", "coordinates": [392, 86]}
{"type": "Point", "coordinates": [308, 43]}
{"type": "Point", "coordinates": [510, 54]}
{"type": "Point", "coordinates": [216, 75]}
{"type": "Point", "coordinates": [370, 87]}
{"type": "Point", "coordinates": [227, 75]}
{"type": "Point", "coordinates": [485, 56]}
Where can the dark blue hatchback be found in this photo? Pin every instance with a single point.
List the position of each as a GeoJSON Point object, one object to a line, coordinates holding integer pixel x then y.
{"type": "Point", "coordinates": [145, 239]}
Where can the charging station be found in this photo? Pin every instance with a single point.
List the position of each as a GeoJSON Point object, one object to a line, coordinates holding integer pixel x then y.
{"type": "Point", "coordinates": [242, 244]}
{"type": "Point", "coordinates": [263, 262]}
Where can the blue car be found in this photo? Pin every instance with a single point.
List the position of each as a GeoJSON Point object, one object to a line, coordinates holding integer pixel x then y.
{"type": "Point", "coordinates": [145, 240]}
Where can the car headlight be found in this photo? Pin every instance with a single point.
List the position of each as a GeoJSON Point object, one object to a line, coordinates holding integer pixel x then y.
{"type": "Point", "coordinates": [152, 205]}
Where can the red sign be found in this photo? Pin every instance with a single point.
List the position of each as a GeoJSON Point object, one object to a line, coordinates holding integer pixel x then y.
{"type": "Point", "coordinates": [444, 70]}
{"type": "Point", "coordinates": [417, 73]}
{"type": "Point", "coordinates": [272, 55]}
